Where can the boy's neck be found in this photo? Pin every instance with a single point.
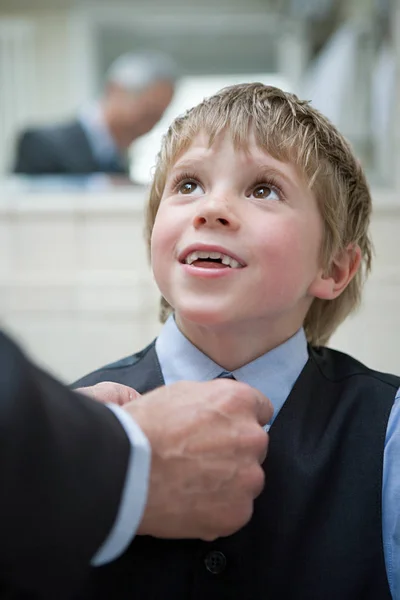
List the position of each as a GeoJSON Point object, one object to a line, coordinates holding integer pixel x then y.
{"type": "Point", "coordinates": [233, 347]}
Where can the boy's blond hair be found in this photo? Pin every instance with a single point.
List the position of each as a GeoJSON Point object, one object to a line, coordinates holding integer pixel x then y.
{"type": "Point", "coordinates": [291, 131]}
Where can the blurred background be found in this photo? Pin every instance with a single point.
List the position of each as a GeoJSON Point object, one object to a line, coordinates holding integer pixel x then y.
{"type": "Point", "coordinates": [75, 286]}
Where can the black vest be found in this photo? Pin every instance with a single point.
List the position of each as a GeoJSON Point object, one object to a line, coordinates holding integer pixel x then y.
{"type": "Point", "coordinates": [316, 532]}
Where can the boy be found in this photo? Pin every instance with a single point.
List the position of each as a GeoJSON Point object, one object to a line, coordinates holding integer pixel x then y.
{"type": "Point", "coordinates": [258, 233]}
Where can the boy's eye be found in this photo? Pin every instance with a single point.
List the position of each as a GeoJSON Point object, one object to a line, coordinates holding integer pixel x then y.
{"type": "Point", "coordinates": [188, 187]}
{"type": "Point", "coordinates": [263, 192]}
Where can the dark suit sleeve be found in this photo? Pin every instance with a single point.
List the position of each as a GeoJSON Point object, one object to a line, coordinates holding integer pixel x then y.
{"type": "Point", "coordinates": [35, 154]}
{"type": "Point", "coordinates": [63, 460]}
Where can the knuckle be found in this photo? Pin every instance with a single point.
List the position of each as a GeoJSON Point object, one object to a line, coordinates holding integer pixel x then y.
{"type": "Point", "coordinates": [254, 480]}
{"type": "Point", "coordinates": [237, 396]}
{"type": "Point", "coordinates": [253, 439]}
{"type": "Point", "coordinates": [248, 399]}
{"type": "Point", "coordinates": [261, 441]}
{"type": "Point", "coordinates": [244, 392]}
{"type": "Point", "coordinates": [229, 399]}
{"type": "Point", "coordinates": [259, 482]}
{"type": "Point", "coordinates": [245, 441]}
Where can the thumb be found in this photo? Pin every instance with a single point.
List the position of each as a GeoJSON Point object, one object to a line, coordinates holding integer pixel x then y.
{"type": "Point", "coordinates": [110, 392]}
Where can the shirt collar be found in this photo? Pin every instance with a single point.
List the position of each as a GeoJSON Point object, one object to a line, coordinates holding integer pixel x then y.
{"type": "Point", "coordinates": [273, 373]}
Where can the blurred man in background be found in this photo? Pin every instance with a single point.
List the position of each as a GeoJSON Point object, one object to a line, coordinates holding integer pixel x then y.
{"type": "Point", "coordinates": [138, 89]}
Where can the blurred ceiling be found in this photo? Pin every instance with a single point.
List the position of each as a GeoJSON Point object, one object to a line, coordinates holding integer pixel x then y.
{"type": "Point", "coordinates": [319, 17]}
{"type": "Point", "coordinates": [300, 8]}
{"type": "Point", "coordinates": [32, 5]}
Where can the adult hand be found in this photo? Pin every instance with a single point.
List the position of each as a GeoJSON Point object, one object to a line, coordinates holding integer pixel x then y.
{"type": "Point", "coordinates": [208, 445]}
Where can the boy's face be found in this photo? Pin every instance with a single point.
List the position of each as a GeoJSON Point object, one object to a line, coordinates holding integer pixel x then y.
{"type": "Point", "coordinates": [254, 212]}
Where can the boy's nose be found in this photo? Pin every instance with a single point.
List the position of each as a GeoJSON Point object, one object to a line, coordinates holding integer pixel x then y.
{"type": "Point", "coordinates": [216, 214]}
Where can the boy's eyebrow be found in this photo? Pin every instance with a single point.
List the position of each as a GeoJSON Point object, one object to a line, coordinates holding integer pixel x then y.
{"type": "Point", "coordinates": [188, 163]}
{"type": "Point", "coordinates": [264, 170]}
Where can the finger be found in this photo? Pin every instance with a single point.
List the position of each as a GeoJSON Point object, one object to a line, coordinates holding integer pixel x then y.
{"type": "Point", "coordinates": [116, 393]}
{"type": "Point", "coordinates": [258, 481]}
{"type": "Point", "coordinates": [264, 408]}
{"type": "Point", "coordinates": [86, 391]}
{"type": "Point", "coordinates": [264, 451]}
{"type": "Point", "coordinates": [110, 392]}
{"type": "Point", "coordinates": [128, 394]}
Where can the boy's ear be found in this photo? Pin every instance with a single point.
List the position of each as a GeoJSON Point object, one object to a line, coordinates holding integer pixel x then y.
{"type": "Point", "coordinates": [328, 285]}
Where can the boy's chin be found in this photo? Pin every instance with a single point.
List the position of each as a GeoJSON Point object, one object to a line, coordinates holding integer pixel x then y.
{"type": "Point", "coordinates": [206, 316]}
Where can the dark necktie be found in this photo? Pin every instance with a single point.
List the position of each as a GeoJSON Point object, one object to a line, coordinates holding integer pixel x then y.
{"type": "Point", "coordinates": [226, 375]}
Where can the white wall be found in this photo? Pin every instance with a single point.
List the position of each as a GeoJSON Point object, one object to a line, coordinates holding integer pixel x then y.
{"type": "Point", "coordinates": [42, 82]}
{"type": "Point", "coordinates": [54, 96]}
{"type": "Point", "coordinates": [75, 285]}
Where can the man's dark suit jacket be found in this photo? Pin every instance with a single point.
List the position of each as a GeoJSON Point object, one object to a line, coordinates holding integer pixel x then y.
{"type": "Point", "coordinates": [63, 461]}
{"type": "Point", "coordinates": [59, 150]}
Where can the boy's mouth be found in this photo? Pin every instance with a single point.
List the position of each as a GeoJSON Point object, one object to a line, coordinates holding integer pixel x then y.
{"type": "Point", "coordinates": [210, 259]}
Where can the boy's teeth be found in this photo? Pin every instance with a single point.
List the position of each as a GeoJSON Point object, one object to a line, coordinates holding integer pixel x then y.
{"type": "Point", "coordinates": [201, 254]}
{"type": "Point", "coordinates": [192, 257]}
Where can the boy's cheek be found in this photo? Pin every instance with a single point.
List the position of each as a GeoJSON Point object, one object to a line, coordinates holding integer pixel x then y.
{"type": "Point", "coordinates": [159, 237]}
{"type": "Point", "coordinates": [160, 246]}
{"type": "Point", "coordinates": [162, 256]}
{"type": "Point", "coordinates": [165, 238]}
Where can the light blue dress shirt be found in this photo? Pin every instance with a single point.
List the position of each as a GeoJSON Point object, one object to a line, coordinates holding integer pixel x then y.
{"type": "Point", "coordinates": [273, 374]}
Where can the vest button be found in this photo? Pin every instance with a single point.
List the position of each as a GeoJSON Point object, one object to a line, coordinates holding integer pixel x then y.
{"type": "Point", "coordinates": [215, 562]}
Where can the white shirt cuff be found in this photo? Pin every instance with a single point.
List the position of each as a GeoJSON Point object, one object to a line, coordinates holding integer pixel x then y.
{"type": "Point", "coordinates": [134, 494]}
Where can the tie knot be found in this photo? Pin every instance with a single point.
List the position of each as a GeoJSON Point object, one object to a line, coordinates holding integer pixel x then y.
{"type": "Point", "coordinates": [226, 375]}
